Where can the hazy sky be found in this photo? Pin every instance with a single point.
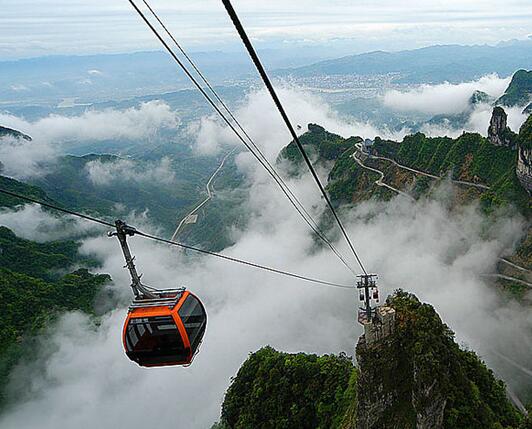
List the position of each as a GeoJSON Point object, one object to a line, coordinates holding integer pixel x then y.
{"type": "Point", "coordinates": [37, 27]}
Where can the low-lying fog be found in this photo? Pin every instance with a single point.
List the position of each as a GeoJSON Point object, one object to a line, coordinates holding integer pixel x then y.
{"type": "Point", "coordinates": [81, 377]}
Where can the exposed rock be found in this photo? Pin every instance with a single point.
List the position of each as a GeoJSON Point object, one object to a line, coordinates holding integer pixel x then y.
{"type": "Point", "coordinates": [524, 168]}
{"type": "Point", "coordinates": [498, 132]}
{"type": "Point", "coordinates": [524, 157]}
{"type": "Point", "coordinates": [380, 327]}
{"type": "Point", "coordinates": [417, 377]}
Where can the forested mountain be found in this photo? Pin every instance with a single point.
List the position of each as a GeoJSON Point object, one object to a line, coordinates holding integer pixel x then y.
{"type": "Point", "coordinates": [481, 171]}
{"type": "Point", "coordinates": [281, 390]}
{"type": "Point", "coordinates": [417, 377]}
{"type": "Point", "coordinates": [519, 92]}
{"type": "Point", "coordinates": [38, 282]}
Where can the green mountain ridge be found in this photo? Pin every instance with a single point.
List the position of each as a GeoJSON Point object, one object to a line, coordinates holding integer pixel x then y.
{"type": "Point", "coordinates": [9, 132]}
{"type": "Point", "coordinates": [433, 64]}
{"type": "Point", "coordinates": [36, 285]}
{"type": "Point", "coordinates": [519, 92]}
{"type": "Point", "coordinates": [417, 377]}
{"type": "Point", "coordinates": [470, 158]}
{"type": "Point", "coordinates": [319, 144]}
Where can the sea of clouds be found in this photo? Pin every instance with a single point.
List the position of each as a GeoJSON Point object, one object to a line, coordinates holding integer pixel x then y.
{"type": "Point", "coordinates": [54, 135]}
{"type": "Point", "coordinates": [81, 377]}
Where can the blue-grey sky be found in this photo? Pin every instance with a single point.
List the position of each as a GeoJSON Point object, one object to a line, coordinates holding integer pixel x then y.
{"type": "Point", "coordinates": [43, 27]}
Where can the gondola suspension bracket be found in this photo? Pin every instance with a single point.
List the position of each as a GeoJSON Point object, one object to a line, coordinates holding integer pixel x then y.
{"type": "Point", "coordinates": [123, 230]}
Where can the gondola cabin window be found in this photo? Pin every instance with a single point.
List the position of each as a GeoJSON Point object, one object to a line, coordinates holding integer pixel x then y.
{"type": "Point", "coordinates": [192, 315]}
{"type": "Point", "coordinates": [152, 340]}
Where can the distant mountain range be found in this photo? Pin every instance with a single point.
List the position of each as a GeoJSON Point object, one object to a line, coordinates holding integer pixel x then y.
{"type": "Point", "coordinates": [102, 77]}
{"type": "Point", "coordinates": [433, 64]}
{"type": "Point", "coordinates": [111, 76]}
{"type": "Point", "coordinates": [9, 132]}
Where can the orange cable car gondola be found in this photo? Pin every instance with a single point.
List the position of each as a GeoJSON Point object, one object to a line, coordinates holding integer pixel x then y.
{"type": "Point", "coordinates": [162, 327]}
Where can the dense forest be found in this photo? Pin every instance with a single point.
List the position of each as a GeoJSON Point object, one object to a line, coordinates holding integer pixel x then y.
{"type": "Point", "coordinates": [469, 157]}
{"type": "Point", "coordinates": [282, 390]}
{"type": "Point", "coordinates": [417, 374]}
{"type": "Point", "coordinates": [38, 282]}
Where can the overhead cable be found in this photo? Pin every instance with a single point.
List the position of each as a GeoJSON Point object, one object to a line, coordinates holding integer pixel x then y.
{"type": "Point", "coordinates": [262, 72]}
{"type": "Point", "coordinates": [175, 243]}
{"type": "Point", "coordinates": [256, 152]}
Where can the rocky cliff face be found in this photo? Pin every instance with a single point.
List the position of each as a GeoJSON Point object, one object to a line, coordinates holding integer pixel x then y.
{"type": "Point", "coordinates": [524, 155]}
{"type": "Point", "coordinates": [418, 377]}
{"type": "Point", "coordinates": [498, 132]}
{"type": "Point", "coordinates": [524, 168]}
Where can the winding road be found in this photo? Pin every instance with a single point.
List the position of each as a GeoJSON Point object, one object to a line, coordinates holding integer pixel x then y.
{"type": "Point", "coordinates": [206, 200]}
{"type": "Point", "coordinates": [380, 182]}
{"type": "Point", "coordinates": [423, 173]}
{"type": "Point", "coordinates": [505, 277]}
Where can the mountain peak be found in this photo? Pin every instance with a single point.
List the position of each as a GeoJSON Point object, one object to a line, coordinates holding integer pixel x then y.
{"type": "Point", "coordinates": [10, 132]}
{"type": "Point", "coordinates": [499, 133]}
{"type": "Point", "coordinates": [519, 92]}
{"type": "Point", "coordinates": [413, 376]}
{"type": "Point", "coordinates": [418, 377]}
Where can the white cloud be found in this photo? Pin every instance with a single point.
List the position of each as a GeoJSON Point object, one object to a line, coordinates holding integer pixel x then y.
{"type": "Point", "coordinates": [102, 173]}
{"type": "Point", "coordinates": [452, 99]}
{"type": "Point", "coordinates": [22, 159]}
{"type": "Point", "coordinates": [477, 122]}
{"type": "Point", "coordinates": [445, 98]}
{"type": "Point", "coordinates": [480, 118]}
{"type": "Point", "coordinates": [94, 72]}
{"type": "Point", "coordinates": [81, 377]}
{"type": "Point", "coordinates": [53, 134]}
{"type": "Point", "coordinates": [18, 88]}
{"type": "Point", "coordinates": [33, 223]}
{"type": "Point", "coordinates": [133, 123]}
{"type": "Point", "coordinates": [262, 121]}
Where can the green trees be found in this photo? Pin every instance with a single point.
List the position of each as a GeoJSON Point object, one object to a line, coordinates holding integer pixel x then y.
{"type": "Point", "coordinates": [519, 91]}
{"type": "Point", "coordinates": [35, 286]}
{"type": "Point", "coordinates": [475, 398]}
{"type": "Point", "coordinates": [281, 390]}
{"type": "Point", "coordinates": [20, 188]}
{"type": "Point", "coordinates": [320, 145]}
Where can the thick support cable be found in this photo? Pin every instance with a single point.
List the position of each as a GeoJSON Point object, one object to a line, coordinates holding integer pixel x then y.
{"type": "Point", "coordinates": [263, 161]}
{"type": "Point", "coordinates": [262, 72]}
{"type": "Point", "coordinates": [175, 243]}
